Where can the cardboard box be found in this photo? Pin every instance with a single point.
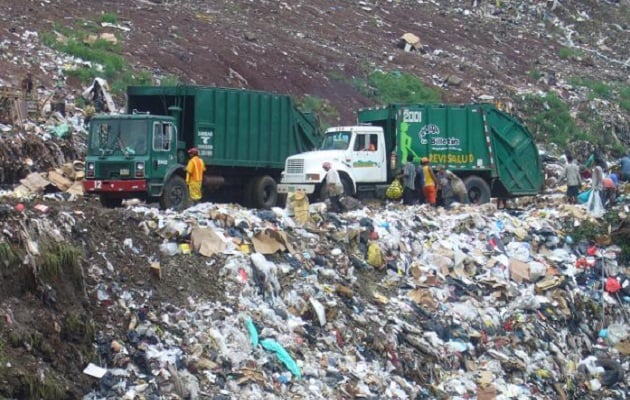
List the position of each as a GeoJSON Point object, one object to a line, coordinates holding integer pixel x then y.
{"type": "Point", "coordinates": [519, 271]}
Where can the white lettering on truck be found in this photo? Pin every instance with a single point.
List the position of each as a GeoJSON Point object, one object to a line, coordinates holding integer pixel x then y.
{"type": "Point", "coordinates": [412, 116]}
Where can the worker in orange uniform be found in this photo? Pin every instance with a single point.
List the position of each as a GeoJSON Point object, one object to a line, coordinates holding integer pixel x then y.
{"type": "Point", "coordinates": [431, 184]}
{"type": "Point", "coordinates": [194, 174]}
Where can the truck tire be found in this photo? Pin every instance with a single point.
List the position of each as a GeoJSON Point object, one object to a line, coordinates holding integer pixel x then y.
{"type": "Point", "coordinates": [478, 190]}
{"type": "Point", "coordinates": [110, 202]}
{"type": "Point", "coordinates": [347, 186]}
{"type": "Point", "coordinates": [264, 192]}
{"type": "Point", "coordinates": [175, 194]}
{"type": "Point", "coordinates": [248, 193]}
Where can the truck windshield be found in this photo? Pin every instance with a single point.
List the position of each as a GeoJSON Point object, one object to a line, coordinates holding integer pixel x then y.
{"type": "Point", "coordinates": [128, 137]}
{"type": "Point", "coordinates": [336, 141]}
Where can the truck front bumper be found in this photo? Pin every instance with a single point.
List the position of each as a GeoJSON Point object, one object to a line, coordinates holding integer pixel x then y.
{"type": "Point", "coordinates": [294, 187]}
{"type": "Point", "coordinates": [114, 186]}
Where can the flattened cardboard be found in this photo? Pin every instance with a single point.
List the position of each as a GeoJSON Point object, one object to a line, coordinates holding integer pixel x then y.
{"type": "Point", "coordinates": [206, 241]}
{"type": "Point", "coordinates": [519, 271]}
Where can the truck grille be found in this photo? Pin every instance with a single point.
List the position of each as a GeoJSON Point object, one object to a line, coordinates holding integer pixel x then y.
{"type": "Point", "coordinates": [295, 166]}
{"type": "Point", "coordinates": [112, 170]}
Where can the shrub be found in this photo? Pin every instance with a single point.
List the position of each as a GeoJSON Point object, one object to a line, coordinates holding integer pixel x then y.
{"type": "Point", "coordinates": [549, 119]}
{"type": "Point", "coordinates": [397, 87]}
{"type": "Point", "coordinates": [111, 18]}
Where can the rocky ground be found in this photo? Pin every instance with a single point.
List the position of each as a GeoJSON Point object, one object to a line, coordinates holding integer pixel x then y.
{"type": "Point", "coordinates": [318, 48]}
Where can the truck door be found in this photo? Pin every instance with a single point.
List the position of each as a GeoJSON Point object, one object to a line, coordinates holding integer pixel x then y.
{"type": "Point", "coordinates": [368, 158]}
{"type": "Point", "coordinates": [162, 149]}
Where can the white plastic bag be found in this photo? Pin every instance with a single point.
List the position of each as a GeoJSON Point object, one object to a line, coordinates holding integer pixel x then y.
{"type": "Point", "coordinates": [594, 204]}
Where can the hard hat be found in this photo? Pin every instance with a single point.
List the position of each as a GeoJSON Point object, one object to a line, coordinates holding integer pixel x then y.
{"type": "Point", "coordinates": [193, 150]}
{"type": "Point", "coordinates": [424, 160]}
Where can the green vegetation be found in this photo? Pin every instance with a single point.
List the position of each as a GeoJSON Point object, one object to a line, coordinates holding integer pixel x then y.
{"type": "Point", "coordinates": [62, 259]}
{"type": "Point", "coordinates": [567, 52]}
{"type": "Point", "coordinates": [103, 58]}
{"type": "Point", "coordinates": [535, 74]}
{"type": "Point", "coordinates": [550, 120]}
{"type": "Point", "coordinates": [590, 231]}
{"type": "Point", "coordinates": [401, 87]}
{"type": "Point", "coordinates": [78, 329]}
{"type": "Point", "coordinates": [170, 80]}
{"type": "Point", "coordinates": [8, 256]}
{"type": "Point", "coordinates": [599, 88]}
{"type": "Point", "coordinates": [391, 87]}
{"type": "Point", "coordinates": [327, 113]}
{"type": "Point", "coordinates": [3, 355]}
{"type": "Point", "coordinates": [624, 98]}
{"type": "Point", "coordinates": [110, 18]}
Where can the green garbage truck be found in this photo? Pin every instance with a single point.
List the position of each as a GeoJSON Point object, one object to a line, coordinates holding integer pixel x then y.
{"type": "Point", "coordinates": [243, 136]}
{"type": "Point", "coordinates": [491, 150]}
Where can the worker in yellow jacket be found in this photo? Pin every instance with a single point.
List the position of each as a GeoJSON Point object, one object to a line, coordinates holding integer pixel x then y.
{"type": "Point", "coordinates": [194, 174]}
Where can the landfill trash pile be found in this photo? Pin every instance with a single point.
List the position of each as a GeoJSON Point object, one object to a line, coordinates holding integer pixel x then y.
{"type": "Point", "coordinates": [469, 302]}
{"type": "Point", "coordinates": [384, 301]}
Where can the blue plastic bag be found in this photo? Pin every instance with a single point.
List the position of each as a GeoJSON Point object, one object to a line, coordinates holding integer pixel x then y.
{"type": "Point", "coordinates": [283, 355]}
{"type": "Point", "coordinates": [583, 197]}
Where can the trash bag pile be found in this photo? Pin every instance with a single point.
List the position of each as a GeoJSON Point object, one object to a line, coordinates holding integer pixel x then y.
{"type": "Point", "coordinates": [386, 301]}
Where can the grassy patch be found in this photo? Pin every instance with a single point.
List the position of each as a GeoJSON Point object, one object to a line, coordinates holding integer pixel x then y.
{"type": "Point", "coordinates": [567, 52]}
{"type": "Point", "coordinates": [624, 97]}
{"type": "Point", "coordinates": [78, 329]}
{"type": "Point", "coordinates": [401, 87]}
{"type": "Point", "coordinates": [535, 74]}
{"type": "Point", "coordinates": [549, 119]}
{"type": "Point", "coordinates": [601, 89]}
{"type": "Point", "coordinates": [101, 58]}
{"type": "Point", "coordinates": [170, 80]}
{"type": "Point", "coordinates": [8, 256]}
{"type": "Point", "coordinates": [322, 108]}
{"type": "Point", "coordinates": [61, 260]}
{"type": "Point", "coordinates": [109, 17]}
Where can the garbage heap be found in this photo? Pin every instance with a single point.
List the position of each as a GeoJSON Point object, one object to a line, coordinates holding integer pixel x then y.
{"type": "Point", "coordinates": [381, 302]}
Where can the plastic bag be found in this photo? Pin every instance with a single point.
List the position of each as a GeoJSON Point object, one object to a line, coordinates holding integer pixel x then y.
{"type": "Point", "coordinates": [375, 255]}
{"type": "Point", "coordinates": [395, 190]}
{"type": "Point", "coordinates": [594, 204]}
{"type": "Point", "coordinates": [583, 197]}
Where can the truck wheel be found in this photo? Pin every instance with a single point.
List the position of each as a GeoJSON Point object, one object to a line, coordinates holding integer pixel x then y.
{"type": "Point", "coordinates": [248, 193]}
{"type": "Point", "coordinates": [347, 186]}
{"type": "Point", "coordinates": [264, 192]}
{"type": "Point", "coordinates": [478, 190]}
{"type": "Point", "coordinates": [175, 194]}
{"type": "Point", "coordinates": [110, 202]}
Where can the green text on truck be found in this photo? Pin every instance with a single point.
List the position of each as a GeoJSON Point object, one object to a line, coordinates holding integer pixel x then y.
{"type": "Point", "coordinates": [491, 150]}
{"type": "Point", "coordinates": [243, 136]}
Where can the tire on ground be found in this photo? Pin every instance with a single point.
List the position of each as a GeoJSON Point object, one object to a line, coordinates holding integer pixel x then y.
{"type": "Point", "coordinates": [248, 193]}
{"type": "Point", "coordinates": [478, 190]}
{"type": "Point", "coordinates": [175, 194]}
{"type": "Point", "coordinates": [348, 189]}
{"type": "Point", "coordinates": [265, 192]}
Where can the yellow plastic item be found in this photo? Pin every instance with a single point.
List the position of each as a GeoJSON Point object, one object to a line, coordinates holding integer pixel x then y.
{"type": "Point", "coordinates": [184, 248]}
{"type": "Point", "coordinates": [375, 255]}
{"type": "Point", "coordinates": [394, 191]}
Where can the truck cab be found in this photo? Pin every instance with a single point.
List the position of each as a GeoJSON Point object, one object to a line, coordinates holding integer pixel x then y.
{"type": "Point", "coordinates": [358, 153]}
{"type": "Point", "coordinates": [129, 153]}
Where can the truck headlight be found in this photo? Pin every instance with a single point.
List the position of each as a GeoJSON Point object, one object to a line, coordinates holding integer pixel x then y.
{"type": "Point", "coordinates": [312, 177]}
{"type": "Point", "coordinates": [90, 169]}
{"type": "Point", "coordinates": [139, 170]}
